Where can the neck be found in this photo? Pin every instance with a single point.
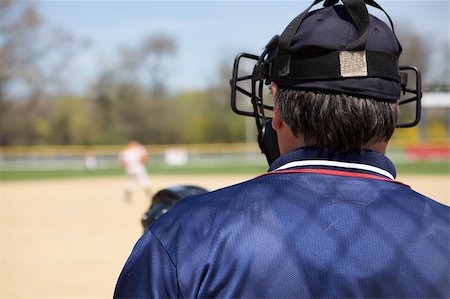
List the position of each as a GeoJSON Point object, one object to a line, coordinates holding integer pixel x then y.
{"type": "Point", "coordinates": [377, 147]}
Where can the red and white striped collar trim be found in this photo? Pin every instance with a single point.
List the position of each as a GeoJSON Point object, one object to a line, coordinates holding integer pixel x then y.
{"type": "Point", "coordinates": [339, 164]}
{"type": "Point", "coordinates": [359, 175]}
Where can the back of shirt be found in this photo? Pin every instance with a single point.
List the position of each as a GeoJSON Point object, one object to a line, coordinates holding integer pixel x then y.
{"type": "Point", "coordinates": [296, 235]}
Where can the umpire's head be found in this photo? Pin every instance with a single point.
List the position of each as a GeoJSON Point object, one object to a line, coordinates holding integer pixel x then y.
{"type": "Point", "coordinates": [335, 80]}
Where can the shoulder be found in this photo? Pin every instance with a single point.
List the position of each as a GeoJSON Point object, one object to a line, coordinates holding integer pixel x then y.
{"type": "Point", "coordinates": [216, 201]}
{"type": "Point", "coordinates": [431, 205]}
{"type": "Point", "coordinates": [229, 198]}
{"type": "Point", "coordinates": [401, 206]}
{"type": "Point", "coordinates": [196, 216]}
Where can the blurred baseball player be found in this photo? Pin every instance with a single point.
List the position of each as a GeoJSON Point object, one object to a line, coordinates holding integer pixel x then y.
{"type": "Point", "coordinates": [90, 161]}
{"type": "Point", "coordinates": [133, 159]}
{"type": "Point", "coordinates": [329, 219]}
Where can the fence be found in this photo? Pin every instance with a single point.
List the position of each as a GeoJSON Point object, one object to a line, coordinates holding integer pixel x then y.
{"type": "Point", "coordinates": [106, 157]}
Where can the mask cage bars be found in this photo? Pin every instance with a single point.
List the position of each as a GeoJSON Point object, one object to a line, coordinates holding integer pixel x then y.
{"type": "Point", "coordinates": [256, 92]}
{"type": "Point", "coordinates": [410, 94]}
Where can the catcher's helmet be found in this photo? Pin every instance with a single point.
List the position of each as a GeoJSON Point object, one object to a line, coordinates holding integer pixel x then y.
{"type": "Point", "coordinates": [335, 49]}
{"type": "Point", "coordinates": [165, 199]}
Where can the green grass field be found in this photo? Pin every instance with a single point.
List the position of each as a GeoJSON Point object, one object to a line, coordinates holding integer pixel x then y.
{"type": "Point", "coordinates": [442, 167]}
{"type": "Point", "coordinates": [153, 170]}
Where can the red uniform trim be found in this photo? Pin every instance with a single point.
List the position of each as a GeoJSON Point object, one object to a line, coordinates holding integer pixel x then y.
{"type": "Point", "coordinates": [337, 173]}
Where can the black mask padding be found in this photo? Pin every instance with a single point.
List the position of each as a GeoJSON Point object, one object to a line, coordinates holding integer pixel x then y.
{"type": "Point", "coordinates": [269, 142]}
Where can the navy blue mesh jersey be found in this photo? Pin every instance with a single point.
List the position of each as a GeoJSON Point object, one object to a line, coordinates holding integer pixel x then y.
{"type": "Point", "coordinates": [316, 225]}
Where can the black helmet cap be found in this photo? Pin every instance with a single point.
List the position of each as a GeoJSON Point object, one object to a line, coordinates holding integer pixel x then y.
{"type": "Point", "coordinates": [319, 58]}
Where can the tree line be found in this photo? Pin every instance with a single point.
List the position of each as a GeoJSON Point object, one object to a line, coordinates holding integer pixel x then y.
{"type": "Point", "coordinates": [115, 112]}
{"type": "Point", "coordinates": [128, 100]}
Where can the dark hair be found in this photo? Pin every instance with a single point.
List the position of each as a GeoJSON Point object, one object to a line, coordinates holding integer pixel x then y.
{"type": "Point", "coordinates": [336, 121]}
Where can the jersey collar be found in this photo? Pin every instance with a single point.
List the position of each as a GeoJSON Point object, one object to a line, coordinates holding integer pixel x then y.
{"type": "Point", "coordinates": [364, 161]}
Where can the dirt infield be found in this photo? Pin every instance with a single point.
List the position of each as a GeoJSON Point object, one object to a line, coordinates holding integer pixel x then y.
{"type": "Point", "coordinates": [70, 238]}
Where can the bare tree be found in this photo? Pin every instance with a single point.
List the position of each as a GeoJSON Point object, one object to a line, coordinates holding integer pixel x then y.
{"type": "Point", "coordinates": [441, 65]}
{"type": "Point", "coordinates": [416, 49]}
{"type": "Point", "coordinates": [32, 61]}
{"type": "Point", "coordinates": [60, 48]}
{"type": "Point", "coordinates": [153, 51]}
{"type": "Point", "coordinates": [129, 63]}
{"type": "Point", "coordinates": [19, 28]}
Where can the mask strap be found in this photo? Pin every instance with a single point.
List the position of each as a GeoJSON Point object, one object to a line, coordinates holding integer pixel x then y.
{"type": "Point", "coordinates": [357, 10]}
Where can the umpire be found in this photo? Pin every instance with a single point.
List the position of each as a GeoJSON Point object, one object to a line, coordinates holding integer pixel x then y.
{"type": "Point", "coordinates": [328, 220]}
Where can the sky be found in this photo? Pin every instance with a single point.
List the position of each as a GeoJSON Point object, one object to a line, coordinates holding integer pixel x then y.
{"type": "Point", "coordinates": [207, 33]}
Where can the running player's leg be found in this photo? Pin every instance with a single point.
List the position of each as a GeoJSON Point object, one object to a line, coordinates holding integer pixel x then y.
{"type": "Point", "coordinates": [129, 186]}
{"type": "Point", "coordinates": [145, 182]}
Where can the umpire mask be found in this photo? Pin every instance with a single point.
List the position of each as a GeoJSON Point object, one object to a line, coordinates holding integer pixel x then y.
{"type": "Point", "coordinates": [340, 48]}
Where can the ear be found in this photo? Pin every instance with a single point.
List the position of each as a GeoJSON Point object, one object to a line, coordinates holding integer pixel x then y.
{"type": "Point", "coordinates": [277, 123]}
{"type": "Point", "coordinates": [274, 88]}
